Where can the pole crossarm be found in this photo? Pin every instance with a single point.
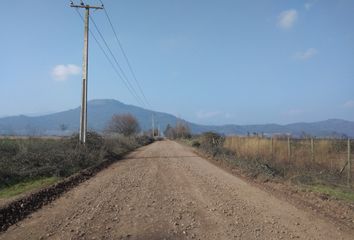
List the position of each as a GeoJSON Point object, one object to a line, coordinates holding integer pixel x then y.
{"type": "Point", "coordinates": [85, 6]}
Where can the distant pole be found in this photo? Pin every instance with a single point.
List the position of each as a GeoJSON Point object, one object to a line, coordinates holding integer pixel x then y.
{"type": "Point", "coordinates": [83, 114]}
{"type": "Point", "coordinates": [153, 125]}
{"type": "Point", "coordinates": [272, 148]}
{"type": "Point", "coordinates": [289, 149]}
{"type": "Point", "coordinates": [312, 151]}
{"type": "Point", "coordinates": [349, 165]}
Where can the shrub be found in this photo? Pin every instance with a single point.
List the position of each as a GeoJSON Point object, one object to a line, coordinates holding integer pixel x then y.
{"type": "Point", "coordinates": [195, 143]}
{"type": "Point", "coordinates": [125, 124]}
{"type": "Point", "coordinates": [23, 159]}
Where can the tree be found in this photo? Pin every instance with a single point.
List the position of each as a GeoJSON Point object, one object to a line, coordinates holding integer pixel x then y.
{"type": "Point", "coordinates": [182, 130]}
{"type": "Point", "coordinates": [169, 132]}
{"type": "Point", "coordinates": [125, 124]}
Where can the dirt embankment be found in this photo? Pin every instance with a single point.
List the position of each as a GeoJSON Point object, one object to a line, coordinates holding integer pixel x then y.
{"type": "Point", "coordinates": [165, 191]}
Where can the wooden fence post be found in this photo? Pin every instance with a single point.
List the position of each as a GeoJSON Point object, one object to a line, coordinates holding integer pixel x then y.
{"type": "Point", "coordinates": [289, 150]}
{"type": "Point", "coordinates": [312, 151]}
{"type": "Point", "coordinates": [349, 165]}
{"type": "Point", "coordinates": [272, 148]}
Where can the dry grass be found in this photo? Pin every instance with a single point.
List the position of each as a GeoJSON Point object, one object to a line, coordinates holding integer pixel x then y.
{"type": "Point", "coordinates": [328, 154]}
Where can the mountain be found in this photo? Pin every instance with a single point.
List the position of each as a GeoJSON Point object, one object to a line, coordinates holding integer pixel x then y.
{"type": "Point", "coordinates": [62, 123]}
{"type": "Point", "coordinates": [101, 111]}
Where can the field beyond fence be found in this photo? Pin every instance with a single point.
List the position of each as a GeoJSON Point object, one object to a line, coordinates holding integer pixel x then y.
{"type": "Point", "coordinates": [328, 156]}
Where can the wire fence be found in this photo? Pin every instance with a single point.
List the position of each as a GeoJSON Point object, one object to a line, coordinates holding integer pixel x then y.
{"type": "Point", "coordinates": [330, 155]}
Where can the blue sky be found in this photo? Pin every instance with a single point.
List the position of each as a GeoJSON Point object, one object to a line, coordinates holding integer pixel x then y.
{"type": "Point", "coordinates": [211, 62]}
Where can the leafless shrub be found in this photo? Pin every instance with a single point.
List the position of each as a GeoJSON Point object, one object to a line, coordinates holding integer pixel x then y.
{"type": "Point", "coordinates": [125, 124]}
{"type": "Point", "coordinates": [22, 159]}
{"type": "Point", "coordinates": [180, 131]}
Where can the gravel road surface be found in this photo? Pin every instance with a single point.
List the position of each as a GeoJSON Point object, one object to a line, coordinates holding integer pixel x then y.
{"type": "Point", "coordinates": [165, 191]}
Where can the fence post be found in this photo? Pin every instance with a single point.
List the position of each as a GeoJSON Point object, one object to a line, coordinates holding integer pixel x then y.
{"type": "Point", "coordinates": [272, 148]}
{"type": "Point", "coordinates": [312, 151]}
{"type": "Point", "coordinates": [289, 150]}
{"type": "Point", "coordinates": [349, 165]}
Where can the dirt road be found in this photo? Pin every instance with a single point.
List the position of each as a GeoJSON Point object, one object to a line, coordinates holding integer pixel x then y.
{"type": "Point", "coordinates": [165, 191]}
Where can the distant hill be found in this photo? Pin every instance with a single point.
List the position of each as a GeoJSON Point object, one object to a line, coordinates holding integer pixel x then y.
{"type": "Point", "coordinates": [101, 111]}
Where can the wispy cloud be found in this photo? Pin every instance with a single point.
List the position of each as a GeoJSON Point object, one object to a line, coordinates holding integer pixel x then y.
{"type": "Point", "coordinates": [349, 104]}
{"type": "Point", "coordinates": [287, 19]}
{"type": "Point", "coordinates": [309, 53]}
{"type": "Point", "coordinates": [63, 72]}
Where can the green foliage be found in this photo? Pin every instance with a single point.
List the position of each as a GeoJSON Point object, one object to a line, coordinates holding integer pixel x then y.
{"type": "Point", "coordinates": [334, 191]}
{"type": "Point", "coordinates": [27, 186]}
{"type": "Point", "coordinates": [7, 148]}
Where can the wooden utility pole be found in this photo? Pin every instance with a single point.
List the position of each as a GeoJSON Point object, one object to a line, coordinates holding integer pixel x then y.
{"type": "Point", "coordinates": [83, 115]}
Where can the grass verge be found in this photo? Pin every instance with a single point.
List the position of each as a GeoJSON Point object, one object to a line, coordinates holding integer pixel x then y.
{"type": "Point", "coordinates": [27, 186]}
{"type": "Point", "coordinates": [333, 191]}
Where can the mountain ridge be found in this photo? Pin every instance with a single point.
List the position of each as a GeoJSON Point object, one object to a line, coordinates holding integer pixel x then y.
{"type": "Point", "coordinates": [101, 110]}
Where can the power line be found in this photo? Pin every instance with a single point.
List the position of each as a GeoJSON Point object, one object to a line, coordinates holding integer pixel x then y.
{"type": "Point", "coordinates": [124, 54]}
{"type": "Point", "coordinates": [121, 75]}
{"type": "Point", "coordinates": [111, 63]}
{"type": "Point", "coordinates": [127, 82]}
{"type": "Point", "coordinates": [115, 59]}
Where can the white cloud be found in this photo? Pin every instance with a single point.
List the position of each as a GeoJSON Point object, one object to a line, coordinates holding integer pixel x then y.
{"type": "Point", "coordinates": [349, 104]}
{"type": "Point", "coordinates": [63, 72]}
{"type": "Point", "coordinates": [287, 19]}
{"type": "Point", "coordinates": [309, 53]}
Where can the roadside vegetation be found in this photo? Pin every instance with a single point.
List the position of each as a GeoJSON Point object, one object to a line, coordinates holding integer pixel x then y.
{"type": "Point", "coordinates": [180, 131]}
{"type": "Point", "coordinates": [27, 164]}
{"type": "Point", "coordinates": [27, 186]}
{"type": "Point", "coordinates": [320, 171]}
